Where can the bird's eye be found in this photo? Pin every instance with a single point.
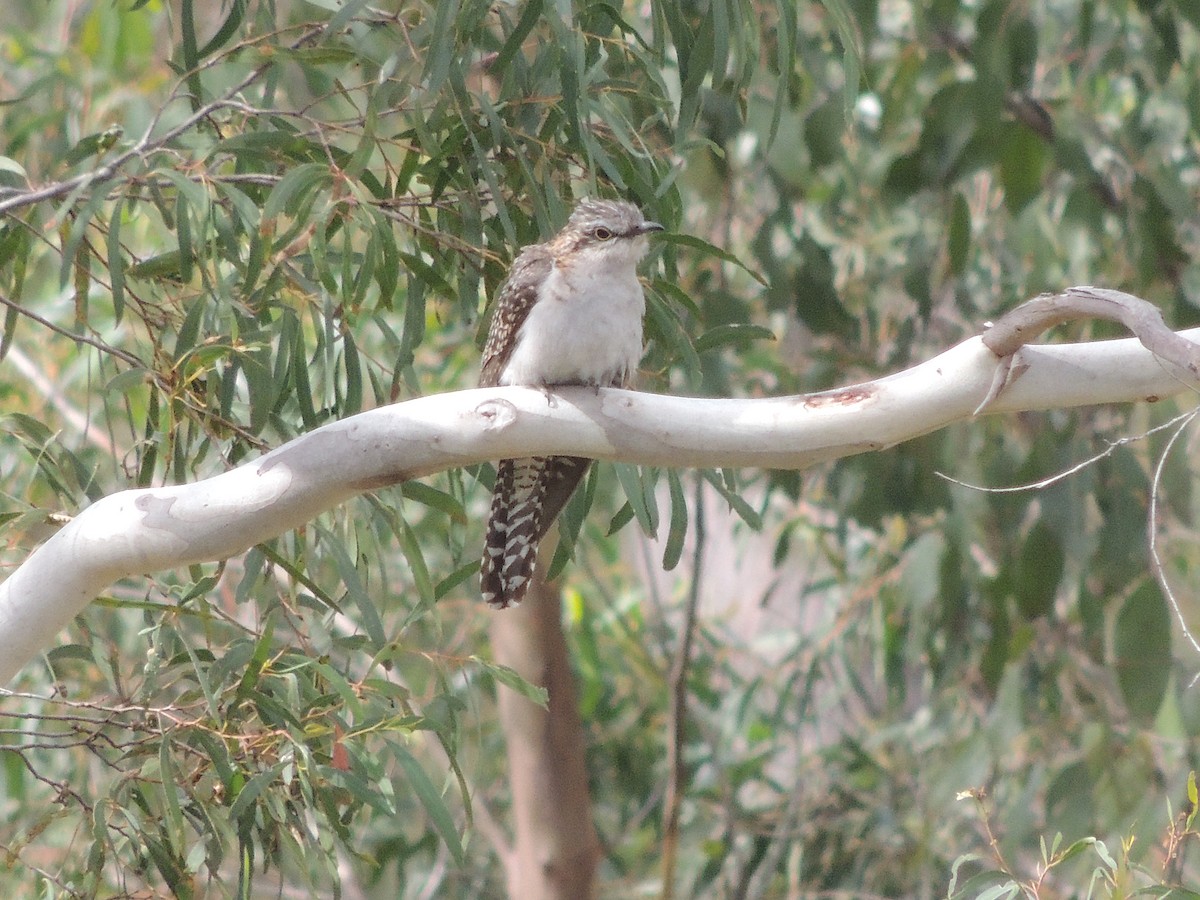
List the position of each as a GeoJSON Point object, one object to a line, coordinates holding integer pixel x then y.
{"type": "Point", "coordinates": [601, 233]}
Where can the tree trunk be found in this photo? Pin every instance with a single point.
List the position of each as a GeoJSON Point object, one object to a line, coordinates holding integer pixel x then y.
{"type": "Point", "coordinates": [556, 849]}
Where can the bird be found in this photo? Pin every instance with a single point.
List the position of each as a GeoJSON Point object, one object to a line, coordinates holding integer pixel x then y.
{"type": "Point", "coordinates": [569, 313]}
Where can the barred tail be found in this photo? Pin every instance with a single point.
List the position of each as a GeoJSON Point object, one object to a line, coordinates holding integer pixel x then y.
{"type": "Point", "coordinates": [528, 496]}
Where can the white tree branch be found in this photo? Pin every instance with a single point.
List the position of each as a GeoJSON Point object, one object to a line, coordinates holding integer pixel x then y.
{"type": "Point", "coordinates": [139, 531]}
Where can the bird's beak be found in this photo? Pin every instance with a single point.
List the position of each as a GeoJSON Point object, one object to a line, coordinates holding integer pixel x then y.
{"type": "Point", "coordinates": [648, 227]}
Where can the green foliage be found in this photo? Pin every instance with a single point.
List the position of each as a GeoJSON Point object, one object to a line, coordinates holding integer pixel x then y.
{"type": "Point", "coordinates": [224, 227]}
{"type": "Point", "coordinates": [1108, 877]}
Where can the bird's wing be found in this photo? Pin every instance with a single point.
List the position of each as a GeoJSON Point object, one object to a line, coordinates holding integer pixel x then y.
{"type": "Point", "coordinates": [513, 302]}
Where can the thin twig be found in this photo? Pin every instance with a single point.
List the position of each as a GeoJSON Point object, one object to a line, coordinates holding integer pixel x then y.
{"type": "Point", "coordinates": [73, 335]}
{"type": "Point", "coordinates": [677, 712]}
{"type": "Point", "coordinates": [1112, 447]}
{"type": "Point", "coordinates": [1159, 570]}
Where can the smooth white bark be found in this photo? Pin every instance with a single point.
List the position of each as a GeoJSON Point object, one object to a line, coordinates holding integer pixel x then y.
{"type": "Point", "coordinates": [141, 531]}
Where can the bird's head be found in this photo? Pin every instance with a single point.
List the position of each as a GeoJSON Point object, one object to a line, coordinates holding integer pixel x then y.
{"type": "Point", "coordinates": [615, 228]}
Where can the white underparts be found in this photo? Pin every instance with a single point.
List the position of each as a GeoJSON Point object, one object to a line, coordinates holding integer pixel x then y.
{"type": "Point", "coordinates": [587, 325]}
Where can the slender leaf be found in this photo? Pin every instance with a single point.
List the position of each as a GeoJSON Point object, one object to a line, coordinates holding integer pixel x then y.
{"type": "Point", "coordinates": [679, 522]}
{"type": "Point", "coordinates": [638, 484]}
{"type": "Point", "coordinates": [191, 57]}
{"type": "Point", "coordinates": [116, 261]}
{"type": "Point", "coordinates": [430, 799]}
{"type": "Point", "coordinates": [512, 679]}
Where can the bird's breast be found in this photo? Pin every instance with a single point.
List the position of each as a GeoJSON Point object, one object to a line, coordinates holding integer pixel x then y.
{"type": "Point", "coordinates": [586, 328]}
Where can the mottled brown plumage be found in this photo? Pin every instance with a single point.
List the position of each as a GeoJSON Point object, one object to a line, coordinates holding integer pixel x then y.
{"type": "Point", "coordinates": [570, 312]}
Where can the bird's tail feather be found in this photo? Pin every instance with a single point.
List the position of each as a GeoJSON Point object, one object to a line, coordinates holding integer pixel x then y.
{"type": "Point", "coordinates": [528, 496]}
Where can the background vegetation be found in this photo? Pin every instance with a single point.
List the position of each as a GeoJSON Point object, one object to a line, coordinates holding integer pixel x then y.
{"type": "Point", "coordinates": [266, 217]}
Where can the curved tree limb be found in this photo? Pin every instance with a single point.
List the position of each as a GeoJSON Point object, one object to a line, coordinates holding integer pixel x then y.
{"type": "Point", "coordinates": [1144, 320]}
{"type": "Point", "coordinates": [1017, 328]}
{"type": "Point", "coordinates": [138, 531]}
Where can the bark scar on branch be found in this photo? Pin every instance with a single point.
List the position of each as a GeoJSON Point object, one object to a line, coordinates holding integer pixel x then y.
{"type": "Point", "coordinates": [1018, 327]}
